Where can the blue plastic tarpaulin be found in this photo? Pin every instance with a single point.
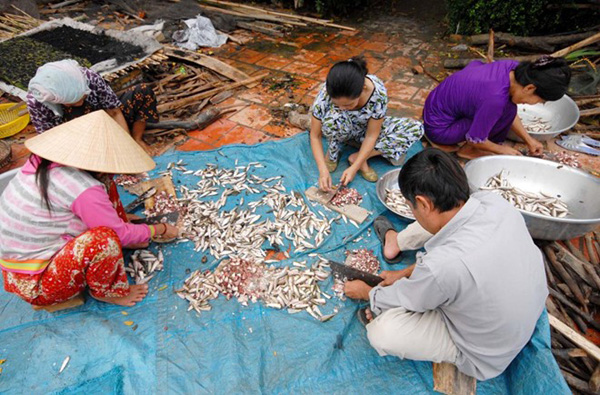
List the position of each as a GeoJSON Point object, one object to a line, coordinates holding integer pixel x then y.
{"type": "Point", "coordinates": [232, 348]}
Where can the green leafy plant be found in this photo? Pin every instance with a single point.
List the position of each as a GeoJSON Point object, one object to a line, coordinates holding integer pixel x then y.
{"type": "Point", "coordinates": [520, 17]}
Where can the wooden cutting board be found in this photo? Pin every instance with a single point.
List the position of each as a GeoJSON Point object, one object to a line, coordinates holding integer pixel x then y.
{"type": "Point", "coordinates": [351, 211]}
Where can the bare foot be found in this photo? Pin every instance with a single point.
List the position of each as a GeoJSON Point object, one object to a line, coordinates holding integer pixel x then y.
{"type": "Point", "coordinates": [390, 247]}
{"type": "Point", "coordinates": [136, 294]}
{"type": "Point", "coordinates": [469, 152]}
{"type": "Point", "coordinates": [369, 314]}
{"type": "Point", "coordinates": [365, 166]}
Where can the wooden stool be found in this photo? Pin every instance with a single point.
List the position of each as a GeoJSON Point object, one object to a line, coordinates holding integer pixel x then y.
{"type": "Point", "coordinates": [447, 379]}
{"type": "Point", "coordinates": [75, 301]}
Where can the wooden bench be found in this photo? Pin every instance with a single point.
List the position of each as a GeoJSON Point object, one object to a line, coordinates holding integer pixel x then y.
{"type": "Point", "coordinates": [447, 379]}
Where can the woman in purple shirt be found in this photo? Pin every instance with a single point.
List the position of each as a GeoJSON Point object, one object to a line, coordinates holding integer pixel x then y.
{"type": "Point", "coordinates": [478, 105]}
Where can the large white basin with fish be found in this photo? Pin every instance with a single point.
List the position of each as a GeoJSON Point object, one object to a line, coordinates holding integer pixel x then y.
{"type": "Point", "coordinates": [562, 115]}
{"type": "Point", "coordinates": [577, 188]}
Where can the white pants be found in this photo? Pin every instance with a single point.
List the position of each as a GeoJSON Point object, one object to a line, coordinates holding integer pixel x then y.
{"type": "Point", "coordinates": [416, 336]}
{"type": "Point", "coordinates": [413, 237]}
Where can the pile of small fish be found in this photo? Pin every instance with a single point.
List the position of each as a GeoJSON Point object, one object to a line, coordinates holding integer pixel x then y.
{"type": "Point", "coordinates": [163, 203]}
{"type": "Point", "coordinates": [361, 259]}
{"type": "Point", "coordinates": [346, 196]}
{"type": "Point", "coordinates": [293, 288]}
{"type": "Point", "coordinates": [242, 231]}
{"type": "Point", "coordinates": [296, 289]}
{"type": "Point", "coordinates": [130, 179]}
{"type": "Point", "coordinates": [143, 264]}
{"type": "Point", "coordinates": [540, 203]}
{"type": "Point", "coordinates": [537, 125]}
{"type": "Point", "coordinates": [397, 202]}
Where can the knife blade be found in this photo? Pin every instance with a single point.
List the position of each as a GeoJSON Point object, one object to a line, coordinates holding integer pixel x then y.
{"type": "Point", "coordinates": [342, 271]}
{"type": "Point", "coordinates": [170, 218]}
{"type": "Point", "coordinates": [140, 199]}
{"type": "Point", "coordinates": [328, 196]}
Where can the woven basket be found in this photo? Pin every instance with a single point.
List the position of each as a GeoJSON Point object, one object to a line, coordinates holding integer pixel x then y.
{"type": "Point", "coordinates": [5, 154]}
{"type": "Point", "coordinates": [10, 121]}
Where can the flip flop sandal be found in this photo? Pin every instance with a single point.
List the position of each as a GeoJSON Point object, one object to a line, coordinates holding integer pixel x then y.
{"type": "Point", "coordinates": [369, 175]}
{"type": "Point", "coordinates": [331, 165]}
{"type": "Point", "coordinates": [382, 225]}
{"type": "Point", "coordinates": [361, 314]}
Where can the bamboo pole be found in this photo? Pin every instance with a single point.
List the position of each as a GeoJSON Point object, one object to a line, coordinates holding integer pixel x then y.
{"type": "Point", "coordinates": [580, 44]}
{"type": "Point", "coordinates": [322, 22]}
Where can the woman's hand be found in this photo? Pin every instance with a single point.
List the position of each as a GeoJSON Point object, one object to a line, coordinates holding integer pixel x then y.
{"type": "Point", "coordinates": [166, 232]}
{"type": "Point", "coordinates": [535, 148]}
{"type": "Point", "coordinates": [348, 175]}
{"type": "Point", "coordinates": [325, 181]}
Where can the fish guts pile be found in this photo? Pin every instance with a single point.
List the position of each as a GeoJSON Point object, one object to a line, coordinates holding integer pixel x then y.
{"type": "Point", "coordinates": [346, 196]}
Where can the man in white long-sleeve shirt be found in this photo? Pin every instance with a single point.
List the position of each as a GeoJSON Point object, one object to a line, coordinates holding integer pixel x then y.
{"type": "Point", "coordinates": [474, 296]}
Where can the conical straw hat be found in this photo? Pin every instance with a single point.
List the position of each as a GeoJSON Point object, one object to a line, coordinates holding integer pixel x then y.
{"type": "Point", "coordinates": [93, 142]}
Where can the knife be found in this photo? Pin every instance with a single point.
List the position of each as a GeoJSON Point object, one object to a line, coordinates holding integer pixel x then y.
{"type": "Point", "coordinates": [342, 271]}
{"type": "Point", "coordinates": [170, 218]}
{"type": "Point", "coordinates": [328, 196]}
{"type": "Point", "coordinates": [140, 199]}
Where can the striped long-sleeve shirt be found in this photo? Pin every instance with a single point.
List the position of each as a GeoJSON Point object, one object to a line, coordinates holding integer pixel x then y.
{"type": "Point", "coordinates": [30, 234]}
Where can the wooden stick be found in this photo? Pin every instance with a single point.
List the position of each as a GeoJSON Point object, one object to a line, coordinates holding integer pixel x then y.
{"type": "Point", "coordinates": [490, 52]}
{"type": "Point", "coordinates": [567, 353]}
{"type": "Point", "coordinates": [583, 268]}
{"type": "Point", "coordinates": [587, 317]}
{"type": "Point", "coordinates": [576, 383]}
{"type": "Point", "coordinates": [590, 112]}
{"type": "Point", "coordinates": [565, 275]}
{"type": "Point", "coordinates": [321, 22]}
{"type": "Point", "coordinates": [463, 62]}
{"type": "Point", "coordinates": [575, 337]}
{"type": "Point", "coordinates": [293, 16]}
{"type": "Point", "coordinates": [595, 380]}
{"type": "Point", "coordinates": [251, 16]}
{"type": "Point", "coordinates": [580, 44]}
{"type": "Point", "coordinates": [182, 102]}
{"type": "Point", "coordinates": [64, 4]}
{"type": "Point", "coordinates": [591, 250]}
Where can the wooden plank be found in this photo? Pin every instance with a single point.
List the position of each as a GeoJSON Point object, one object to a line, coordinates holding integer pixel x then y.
{"type": "Point", "coordinates": [209, 62]}
{"type": "Point", "coordinates": [255, 27]}
{"type": "Point", "coordinates": [351, 211]}
{"type": "Point", "coordinates": [182, 102]}
{"type": "Point", "coordinates": [575, 337]}
{"type": "Point", "coordinates": [252, 15]}
{"type": "Point", "coordinates": [322, 22]}
{"type": "Point", "coordinates": [447, 379]}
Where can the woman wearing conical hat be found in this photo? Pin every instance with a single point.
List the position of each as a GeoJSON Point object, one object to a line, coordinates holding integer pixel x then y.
{"type": "Point", "coordinates": [59, 230]}
{"type": "Point", "coordinates": [61, 91]}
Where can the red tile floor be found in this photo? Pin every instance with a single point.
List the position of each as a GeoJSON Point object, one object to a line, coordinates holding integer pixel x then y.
{"type": "Point", "coordinates": [392, 45]}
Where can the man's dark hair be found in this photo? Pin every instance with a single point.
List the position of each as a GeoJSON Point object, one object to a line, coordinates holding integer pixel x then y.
{"type": "Point", "coordinates": [436, 175]}
{"type": "Point", "coordinates": [347, 78]}
{"type": "Point", "coordinates": [551, 76]}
